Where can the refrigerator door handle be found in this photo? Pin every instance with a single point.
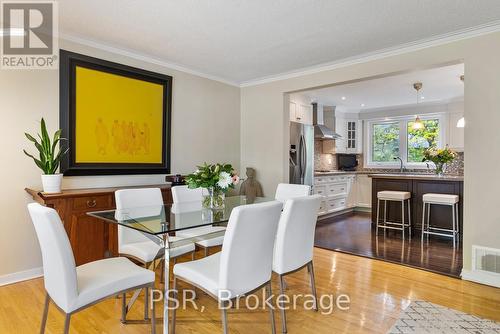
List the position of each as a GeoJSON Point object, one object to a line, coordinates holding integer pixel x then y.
{"type": "Point", "coordinates": [302, 157]}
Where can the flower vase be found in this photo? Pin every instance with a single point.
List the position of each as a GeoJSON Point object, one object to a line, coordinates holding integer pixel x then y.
{"type": "Point", "coordinates": [440, 168]}
{"type": "Point", "coordinates": [215, 199]}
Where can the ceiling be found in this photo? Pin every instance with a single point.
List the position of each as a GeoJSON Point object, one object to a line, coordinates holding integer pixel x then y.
{"type": "Point", "coordinates": [244, 40]}
{"type": "Point", "coordinates": [439, 85]}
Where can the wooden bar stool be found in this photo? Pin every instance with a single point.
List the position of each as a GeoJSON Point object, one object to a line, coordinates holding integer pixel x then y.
{"type": "Point", "coordinates": [440, 199]}
{"type": "Point", "coordinates": [395, 196]}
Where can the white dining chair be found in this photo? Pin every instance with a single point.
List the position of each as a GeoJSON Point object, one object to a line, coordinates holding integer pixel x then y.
{"type": "Point", "coordinates": [240, 268]}
{"type": "Point", "coordinates": [135, 245]}
{"type": "Point", "coordinates": [182, 194]}
{"type": "Point", "coordinates": [74, 288]}
{"type": "Point", "coordinates": [286, 191]}
{"type": "Point", "coordinates": [293, 249]}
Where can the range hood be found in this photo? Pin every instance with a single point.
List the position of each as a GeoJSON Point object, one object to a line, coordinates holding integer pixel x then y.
{"type": "Point", "coordinates": [320, 130]}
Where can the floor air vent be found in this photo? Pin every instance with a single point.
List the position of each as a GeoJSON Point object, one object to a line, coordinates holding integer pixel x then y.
{"type": "Point", "coordinates": [486, 259]}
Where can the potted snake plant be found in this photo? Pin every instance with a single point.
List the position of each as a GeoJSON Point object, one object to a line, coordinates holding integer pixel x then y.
{"type": "Point", "coordinates": [49, 157]}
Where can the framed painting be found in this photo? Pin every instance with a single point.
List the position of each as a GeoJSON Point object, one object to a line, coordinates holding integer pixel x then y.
{"type": "Point", "coordinates": [116, 118]}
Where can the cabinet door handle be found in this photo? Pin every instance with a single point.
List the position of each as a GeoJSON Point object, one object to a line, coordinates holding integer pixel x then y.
{"type": "Point", "coordinates": [91, 203]}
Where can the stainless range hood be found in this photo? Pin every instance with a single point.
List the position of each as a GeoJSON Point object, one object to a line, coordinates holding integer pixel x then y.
{"type": "Point", "coordinates": [320, 130]}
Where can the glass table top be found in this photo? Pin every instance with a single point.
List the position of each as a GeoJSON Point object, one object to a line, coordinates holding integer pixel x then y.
{"type": "Point", "coordinates": [164, 219]}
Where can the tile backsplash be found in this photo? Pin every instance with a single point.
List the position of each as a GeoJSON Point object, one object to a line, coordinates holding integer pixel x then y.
{"type": "Point", "coordinates": [328, 161]}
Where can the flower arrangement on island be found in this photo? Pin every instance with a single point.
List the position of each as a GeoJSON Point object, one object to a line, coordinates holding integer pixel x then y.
{"type": "Point", "coordinates": [440, 157]}
{"type": "Point", "coordinates": [217, 179]}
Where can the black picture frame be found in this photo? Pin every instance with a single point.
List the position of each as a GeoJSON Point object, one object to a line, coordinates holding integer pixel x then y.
{"type": "Point", "coordinates": [67, 81]}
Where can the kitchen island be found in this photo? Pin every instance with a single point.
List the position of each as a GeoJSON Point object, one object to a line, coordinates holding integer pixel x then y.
{"type": "Point", "coordinates": [418, 185]}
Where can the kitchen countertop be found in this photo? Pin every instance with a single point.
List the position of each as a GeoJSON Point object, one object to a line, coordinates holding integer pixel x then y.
{"type": "Point", "coordinates": [409, 176]}
{"type": "Point", "coordinates": [419, 176]}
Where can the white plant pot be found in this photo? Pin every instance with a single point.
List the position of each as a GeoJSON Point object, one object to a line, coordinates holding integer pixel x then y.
{"type": "Point", "coordinates": [52, 183]}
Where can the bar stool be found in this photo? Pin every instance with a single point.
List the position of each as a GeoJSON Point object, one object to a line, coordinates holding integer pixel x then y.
{"type": "Point", "coordinates": [440, 199]}
{"type": "Point", "coordinates": [394, 196]}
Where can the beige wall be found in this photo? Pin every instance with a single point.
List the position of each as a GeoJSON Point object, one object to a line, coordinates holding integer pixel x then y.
{"type": "Point", "coordinates": [205, 127]}
{"type": "Point", "coordinates": [264, 132]}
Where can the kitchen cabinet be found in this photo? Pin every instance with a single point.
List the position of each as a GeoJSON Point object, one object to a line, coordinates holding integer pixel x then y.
{"type": "Point", "coordinates": [301, 113]}
{"type": "Point", "coordinates": [340, 192]}
{"type": "Point", "coordinates": [440, 215]}
{"type": "Point", "coordinates": [363, 191]}
{"type": "Point", "coordinates": [352, 133]}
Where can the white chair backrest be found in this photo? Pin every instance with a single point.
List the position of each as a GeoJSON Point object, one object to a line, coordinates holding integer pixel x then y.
{"type": "Point", "coordinates": [286, 191]}
{"type": "Point", "coordinates": [182, 194]}
{"type": "Point", "coordinates": [247, 252]}
{"type": "Point", "coordinates": [295, 237]}
{"type": "Point", "coordinates": [136, 198]}
{"type": "Point", "coordinates": [59, 268]}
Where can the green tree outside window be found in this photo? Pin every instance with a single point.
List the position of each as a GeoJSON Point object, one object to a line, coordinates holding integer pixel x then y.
{"type": "Point", "coordinates": [385, 142]}
{"type": "Point", "coordinates": [421, 139]}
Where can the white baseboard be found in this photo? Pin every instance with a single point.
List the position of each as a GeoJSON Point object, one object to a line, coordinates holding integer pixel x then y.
{"type": "Point", "coordinates": [482, 277]}
{"type": "Point", "coordinates": [21, 276]}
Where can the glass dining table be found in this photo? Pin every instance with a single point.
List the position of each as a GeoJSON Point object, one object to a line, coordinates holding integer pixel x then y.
{"type": "Point", "coordinates": [159, 222]}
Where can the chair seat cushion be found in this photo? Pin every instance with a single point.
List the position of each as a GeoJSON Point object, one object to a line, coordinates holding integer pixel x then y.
{"type": "Point", "coordinates": [194, 232]}
{"type": "Point", "coordinates": [440, 198]}
{"type": "Point", "coordinates": [203, 273]}
{"type": "Point", "coordinates": [103, 278]}
{"type": "Point", "coordinates": [393, 195]}
{"type": "Point", "coordinates": [146, 251]}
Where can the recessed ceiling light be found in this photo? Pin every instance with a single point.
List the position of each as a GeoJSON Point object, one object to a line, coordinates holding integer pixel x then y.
{"type": "Point", "coordinates": [362, 104]}
{"type": "Point", "coordinates": [12, 32]}
{"type": "Point", "coordinates": [422, 97]}
{"type": "Point", "coordinates": [343, 98]}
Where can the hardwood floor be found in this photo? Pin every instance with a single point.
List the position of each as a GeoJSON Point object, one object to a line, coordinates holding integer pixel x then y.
{"type": "Point", "coordinates": [378, 291]}
{"type": "Point", "coordinates": [353, 233]}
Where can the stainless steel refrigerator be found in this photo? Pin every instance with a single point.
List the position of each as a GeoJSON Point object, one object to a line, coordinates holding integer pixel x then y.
{"type": "Point", "coordinates": [301, 153]}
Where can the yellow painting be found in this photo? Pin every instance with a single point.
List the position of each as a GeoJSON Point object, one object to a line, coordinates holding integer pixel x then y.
{"type": "Point", "coordinates": [117, 119]}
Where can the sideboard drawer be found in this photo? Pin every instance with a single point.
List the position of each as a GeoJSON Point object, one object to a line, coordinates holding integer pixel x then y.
{"type": "Point", "coordinates": [92, 203]}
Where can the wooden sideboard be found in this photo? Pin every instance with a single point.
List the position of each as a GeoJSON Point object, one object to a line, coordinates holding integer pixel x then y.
{"type": "Point", "coordinates": [90, 238]}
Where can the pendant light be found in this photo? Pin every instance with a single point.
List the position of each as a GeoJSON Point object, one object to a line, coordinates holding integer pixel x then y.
{"type": "Point", "coordinates": [418, 123]}
{"type": "Point", "coordinates": [461, 121]}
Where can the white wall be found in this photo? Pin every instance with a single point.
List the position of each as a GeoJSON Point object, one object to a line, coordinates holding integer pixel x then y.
{"type": "Point", "coordinates": [264, 132]}
{"type": "Point", "coordinates": [205, 127]}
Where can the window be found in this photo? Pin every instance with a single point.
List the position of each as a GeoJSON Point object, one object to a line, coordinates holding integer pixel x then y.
{"type": "Point", "coordinates": [385, 142]}
{"type": "Point", "coordinates": [391, 138]}
{"type": "Point", "coordinates": [421, 139]}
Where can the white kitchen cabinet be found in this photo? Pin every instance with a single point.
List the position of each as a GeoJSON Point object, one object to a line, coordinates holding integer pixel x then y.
{"type": "Point", "coordinates": [337, 190]}
{"type": "Point", "coordinates": [351, 131]}
{"type": "Point", "coordinates": [363, 191]}
{"type": "Point", "coordinates": [455, 137]}
{"type": "Point", "coordinates": [300, 113]}
{"type": "Point", "coordinates": [352, 192]}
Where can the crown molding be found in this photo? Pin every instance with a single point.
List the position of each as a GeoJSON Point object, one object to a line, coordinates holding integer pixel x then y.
{"type": "Point", "coordinates": [458, 35]}
{"type": "Point", "coordinates": [362, 58]}
{"type": "Point", "coordinates": [142, 57]}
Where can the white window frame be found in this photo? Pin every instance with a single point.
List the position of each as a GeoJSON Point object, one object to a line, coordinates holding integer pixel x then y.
{"type": "Point", "coordinates": [403, 140]}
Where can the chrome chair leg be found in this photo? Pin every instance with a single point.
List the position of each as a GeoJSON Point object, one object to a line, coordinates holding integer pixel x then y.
{"type": "Point", "coordinates": [153, 314]}
{"type": "Point", "coordinates": [282, 305]}
{"type": "Point", "coordinates": [271, 311]}
{"type": "Point", "coordinates": [403, 217]}
{"type": "Point", "coordinates": [124, 308]}
{"type": "Point", "coordinates": [378, 214]}
{"type": "Point", "coordinates": [224, 318]}
{"type": "Point", "coordinates": [174, 310]}
{"type": "Point", "coordinates": [45, 313]}
{"type": "Point", "coordinates": [66, 323]}
{"type": "Point", "coordinates": [310, 268]}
